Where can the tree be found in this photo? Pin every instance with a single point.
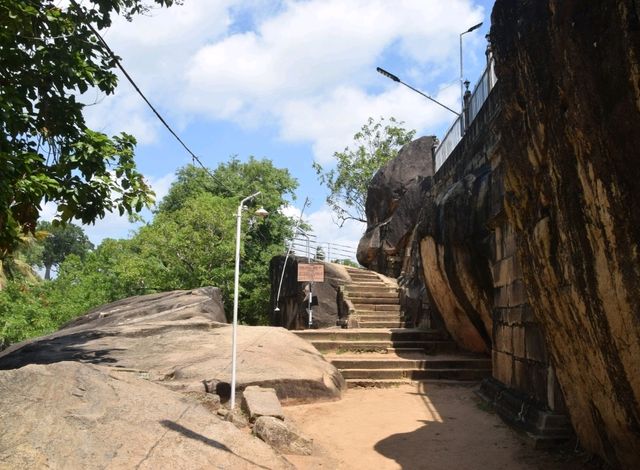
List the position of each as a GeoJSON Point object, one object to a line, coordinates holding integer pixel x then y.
{"type": "Point", "coordinates": [231, 182]}
{"type": "Point", "coordinates": [50, 57]}
{"type": "Point", "coordinates": [374, 145]}
{"type": "Point", "coordinates": [59, 242]}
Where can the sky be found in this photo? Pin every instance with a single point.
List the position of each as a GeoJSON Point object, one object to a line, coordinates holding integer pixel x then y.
{"type": "Point", "coordinates": [291, 81]}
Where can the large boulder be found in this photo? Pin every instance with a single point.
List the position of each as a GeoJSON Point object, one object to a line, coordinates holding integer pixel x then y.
{"type": "Point", "coordinates": [178, 343]}
{"type": "Point", "coordinates": [292, 307]}
{"type": "Point", "coordinates": [73, 415]}
{"type": "Point", "coordinates": [394, 199]}
{"type": "Point", "coordinates": [570, 134]}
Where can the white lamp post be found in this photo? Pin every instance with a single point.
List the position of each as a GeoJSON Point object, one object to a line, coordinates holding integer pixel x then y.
{"type": "Point", "coordinates": [473, 28]}
{"type": "Point", "coordinates": [262, 214]}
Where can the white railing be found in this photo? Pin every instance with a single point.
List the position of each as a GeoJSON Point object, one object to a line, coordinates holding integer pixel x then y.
{"type": "Point", "coordinates": [307, 246]}
{"type": "Point", "coordinates": [477, 99]}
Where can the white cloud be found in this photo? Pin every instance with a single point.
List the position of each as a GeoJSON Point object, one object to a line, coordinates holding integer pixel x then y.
{"type": "Point", "coordinates": [307, 67]}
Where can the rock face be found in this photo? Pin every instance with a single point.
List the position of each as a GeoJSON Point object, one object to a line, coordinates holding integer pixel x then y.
{"type": "Point", "coordinates": [74, 415]}
{"type": "Point", "coordinates": [569, 142]}
{"type": "Point", "coordinates": [178, 343]}
{"type": "Point", "coordinates": [292, 314]}
{"type": "Point", "coordinates": [394, 199]}
{"type": "Point", "coordinates": [455, 252]}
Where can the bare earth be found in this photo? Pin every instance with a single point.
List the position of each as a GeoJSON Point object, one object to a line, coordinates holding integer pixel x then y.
{"type": "Point", "coordinates": [418, 426]}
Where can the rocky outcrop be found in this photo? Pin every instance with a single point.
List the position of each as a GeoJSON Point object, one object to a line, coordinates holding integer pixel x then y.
{"type": "Point", "coordinates": [394, 199]}
{"type": "Point", "coordinates": [569, 141]}
{"type": "Point", "coordinates": [173, 339]}
{"type": "Point", "coordinates": [74, 415]}
{"type": "Point", "coordinates": [292, 313]}
{"type": "Point", "coordinates": [455, 252]}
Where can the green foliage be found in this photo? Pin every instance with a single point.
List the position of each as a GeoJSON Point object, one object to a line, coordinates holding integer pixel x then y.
{"type": "Point", "coordinates": [60, 241]}
{"type": "Point", "coordinates": [50, 56]}
{"type": "Point", "coordinates": [190, 243]}
{"type": "Point", "coordinates": [374, 145]}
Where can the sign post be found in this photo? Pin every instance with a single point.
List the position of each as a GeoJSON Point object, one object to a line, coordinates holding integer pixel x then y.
{"type": "Point", "coordinates": [310, 273]}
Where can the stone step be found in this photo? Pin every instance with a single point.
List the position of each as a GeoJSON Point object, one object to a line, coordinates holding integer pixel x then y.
{"type": "Point", "coordinates": [370, 334]}
{"type": "Point", "coordinates": [380, 316]}
{"type": "Point", "coordinates": [417, 374]}
{"type": "Point", "coordinates": [366, 277]}
{"type": "Point", "coordinates": [373, 383]}
{"type": "Point", "coordinates": [374, 302]}
{"type": "Point", "coordinates": [395, 362]}
{"type": "Point", "coordinates": [427, 347]}
{"type": "Point", "coordinates": [373, 295]}
{"type": "Point", "coordinates": [368, 308]}
{"type": "Point", "coordinates": [383, 291]}
{"type": "Point", "coordinates": [370, 283]}
{"type": "Point", "coordinates": [365, 323]}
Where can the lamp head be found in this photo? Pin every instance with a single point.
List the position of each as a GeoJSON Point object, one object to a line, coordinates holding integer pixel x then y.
{"type": "Point", "coordinates": [474, 27]}
{"type": "Point", "coordinates": [261, 213]}
{"type": "Point", "coordinates": [387, 74]}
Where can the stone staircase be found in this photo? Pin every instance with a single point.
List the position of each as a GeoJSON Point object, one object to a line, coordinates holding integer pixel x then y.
{"type": "Point", "coordinates": [383, 350]}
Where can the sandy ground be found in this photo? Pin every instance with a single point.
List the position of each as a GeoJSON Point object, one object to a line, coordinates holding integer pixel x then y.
{"type": "Point", "coordinates": [419, 426]}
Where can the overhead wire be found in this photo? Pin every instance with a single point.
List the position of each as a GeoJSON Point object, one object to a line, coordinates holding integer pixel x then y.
{"type": "Point", "coordinates": [115, 58]}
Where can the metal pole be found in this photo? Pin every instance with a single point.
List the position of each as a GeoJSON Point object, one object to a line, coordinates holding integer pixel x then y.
{"type": "Point", "coordinates": [236, 286]}
{"type": "Point", "coordinates": [295, 230]}
{"type": "Point", "coordinates": [461, 81]}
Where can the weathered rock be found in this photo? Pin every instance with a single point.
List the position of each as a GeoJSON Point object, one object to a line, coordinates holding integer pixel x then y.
{"type": "Point", "coordinates": [166, 306]}
{"type": "Point", "coordinates": [569, 142]}
{"type": "Point", "coordinates": [282, 436]}
{"type": "Point", "coordinates": [394, 199]}
{"type": "Point", "coordinates": [186, 350]}
{"type": "Point", "coordinates": [238, 418]}
{"type": "Point", "coordinates": [292, 314]}
{"type": "Point", "coordinates": [73, 415]}
{"type": "Point", "coordinates": [455, 257]}
{"type": "Point", "coordinates": [258, 401]}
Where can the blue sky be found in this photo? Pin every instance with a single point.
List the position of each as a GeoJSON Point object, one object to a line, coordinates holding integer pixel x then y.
{"type": "Point", "coordinates": [287, 80]}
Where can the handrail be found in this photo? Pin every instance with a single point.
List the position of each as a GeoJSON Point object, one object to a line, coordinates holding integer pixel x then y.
{"type": "Point", "coordinates": [472, 107]}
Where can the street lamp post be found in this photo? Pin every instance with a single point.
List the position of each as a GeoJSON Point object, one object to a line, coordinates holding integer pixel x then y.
{"type": "Point", "coordinates": [396, 79]}
{"type": "Point", "coordinates": [473, 28]}
{"type": "Point", "coordinates": [260, 213]}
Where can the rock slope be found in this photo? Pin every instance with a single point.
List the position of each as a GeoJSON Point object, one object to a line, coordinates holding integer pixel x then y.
{"type": "Point", "coordinates": [74, 415]}
{"type": "Point", "coordinates": [174, 340]}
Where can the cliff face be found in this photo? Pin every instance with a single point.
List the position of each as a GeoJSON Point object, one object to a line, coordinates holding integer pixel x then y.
{"type": "Point", "coordinates": [569, 128]}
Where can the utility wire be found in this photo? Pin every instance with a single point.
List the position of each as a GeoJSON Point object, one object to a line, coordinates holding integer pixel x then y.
{"type": "Point", "coordinates": [194, 157]}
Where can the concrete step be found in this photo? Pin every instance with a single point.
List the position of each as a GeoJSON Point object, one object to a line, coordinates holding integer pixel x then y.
{"type": "Point", "coordinates": [368, 308]}
{"type": "Point", "coordinates": [380, 316]}
{"type": "Point", "coordinates": [372, 291]}
{"type": "Point", "coordinates": [374, 302]}
{"type": "Point", "coordinates": [373, 294]}
{"type": "Point", "coordinates": [370, 283]}
{"type": "Point", "coordinates": [417, 374]}
{"type": "Point", "coordinates": [427, 347]}
{"type": "Point", "coordinates": [372, 383]}
{"type": "Point", "coordinates": [366, 323]}
{"type": "Point", "coordinates": [371, 334]}
{"type": "Point", "coordinates": [395, 362]}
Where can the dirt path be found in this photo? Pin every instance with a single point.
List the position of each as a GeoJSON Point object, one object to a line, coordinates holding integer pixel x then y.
{"type": "Point", "coordinates": [414, 427]}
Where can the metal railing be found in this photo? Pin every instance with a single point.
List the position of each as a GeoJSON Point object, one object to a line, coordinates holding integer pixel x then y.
{"type": "Point", "coordinates": [307, 245]}
{"type": "Point", "coordinates": [454, 135]}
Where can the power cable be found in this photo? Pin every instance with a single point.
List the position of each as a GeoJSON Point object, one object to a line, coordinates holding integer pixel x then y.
{"type": "Point", "coordinates": [194, 157]}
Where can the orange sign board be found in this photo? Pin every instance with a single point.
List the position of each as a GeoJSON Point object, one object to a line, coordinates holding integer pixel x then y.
{"type": "Point", "coordinates": [310, 272]}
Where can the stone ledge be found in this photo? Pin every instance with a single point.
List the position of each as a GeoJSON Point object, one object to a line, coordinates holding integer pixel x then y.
{"type": "Point", "coordinates": [543, 428]}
